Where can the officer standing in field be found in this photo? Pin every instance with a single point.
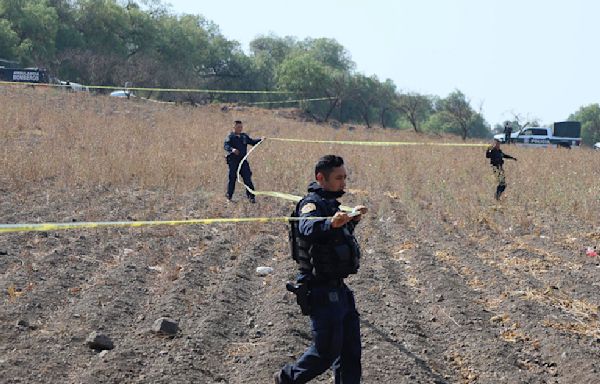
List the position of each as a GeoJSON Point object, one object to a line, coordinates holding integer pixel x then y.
{"type": "Point", "coordinates": [326, 252]}
{"type": "Point", "coordinates": [496, 156]}
{"type": "Point", "coordinates": [235, 146]}
{"type": "Point", "coordinates": [507, 132]}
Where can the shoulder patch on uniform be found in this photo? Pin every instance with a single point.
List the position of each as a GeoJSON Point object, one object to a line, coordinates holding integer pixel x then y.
{"type": "Point", "coordinates": [308, 208]}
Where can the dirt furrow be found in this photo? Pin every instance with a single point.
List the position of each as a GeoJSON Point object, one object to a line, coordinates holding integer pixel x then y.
{"type": "Point", "coordinates": [523, 302]}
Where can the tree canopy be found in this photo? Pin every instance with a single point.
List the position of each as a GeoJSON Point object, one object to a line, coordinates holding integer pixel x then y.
{"type": "Point", "coordinates": [589, 116]}
{"type": "Point", "coordinates": [111, 42]}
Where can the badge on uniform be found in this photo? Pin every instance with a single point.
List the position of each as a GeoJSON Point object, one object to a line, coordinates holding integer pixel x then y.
{"type": "Point", "coordinates": [333, 297]}
{"type": "Point", "coordinates": [308, 208]}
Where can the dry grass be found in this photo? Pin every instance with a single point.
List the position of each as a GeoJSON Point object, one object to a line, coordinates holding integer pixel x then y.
{"type": "Point", "coordinates": [157, 158]}
{"type": "Point", "coordinates": [66, 141]}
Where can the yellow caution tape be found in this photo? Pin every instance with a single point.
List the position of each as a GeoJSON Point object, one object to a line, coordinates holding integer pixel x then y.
{"type": "Point", "coordinates": [281, 195]}
{"type": "Point", "coordinates": [11, 228]}
{"type": "Point", "coordinates": [43, 227]}
{"type": "Point", "coordinates": [253, 103]}
{"type": "Point", "coordinates": [145, 89]}
{"type": "Point", "coordinates": [290, 101]}
{"type": "Point", "coordinates": [380, 143]}
{"type": "Point", "coordinates": [294, 198]}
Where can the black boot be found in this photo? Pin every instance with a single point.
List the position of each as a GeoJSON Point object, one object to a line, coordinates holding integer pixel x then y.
{"type": "Point", "coordinates": [499, 191]}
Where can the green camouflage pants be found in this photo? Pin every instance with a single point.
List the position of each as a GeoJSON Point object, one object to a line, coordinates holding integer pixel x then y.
{"type": "Point", "coordinates": [499, 174]}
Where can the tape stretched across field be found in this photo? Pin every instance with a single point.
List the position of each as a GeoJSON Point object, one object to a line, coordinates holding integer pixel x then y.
{"type": "Point", "coordinates": [295, 198]}
{"type": "Point", "coordinates": [185, 90]}
{"type": "Point", "coordinates": [290, 101]}
{"type": "Point", "coordinates": [43, 227]}
{"type": "Point", "coordinates": [191, 90]}
{"type": "Point", "coordinates": [380, 143]}
{"type": "Point", "coordinates": [11, 228]}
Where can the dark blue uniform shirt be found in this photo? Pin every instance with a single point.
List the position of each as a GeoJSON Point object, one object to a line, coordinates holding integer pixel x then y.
{"type": "Point", "coordinates": [497, 157]}
{"type": "Point", "coordinates": [319, 203]}
{"type": "Point", "coordinates": [240, 143]}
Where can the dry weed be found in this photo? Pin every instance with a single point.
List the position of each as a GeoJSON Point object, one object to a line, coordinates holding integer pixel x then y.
{"type": "Point", "coordinates": [85, 141]}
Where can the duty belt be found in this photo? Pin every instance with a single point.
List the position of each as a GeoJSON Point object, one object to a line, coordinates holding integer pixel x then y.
{"type": "Point", "coordinates": [334, 283]}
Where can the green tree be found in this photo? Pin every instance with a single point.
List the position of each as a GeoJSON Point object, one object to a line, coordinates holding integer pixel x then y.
{"type": "Point", "coordinates": [385, 101]}
{"type": "Point", "coordinates": [267, 53]}
{"type": "Point", "coordinates": [67, 35]}
{"type": "Point", "coordinates": [36, 24]}
{"type": "Point", "coordinates": [363, 94]}
{"type": "Point", "coordinates": [457, 110]}
{"type": "Point", "coordinates": [455, 115]}
{"type": "Point", "coordinates": [589, 116]}
{"type": "Point", "coordinates": [277, 60]}
{"type": "Point", "coordinates": [226, 64]}
{"type": "Point", "coordinates": [142, 30]}
{"type": "Point", "coordinates": [479, 127]}
{"type": "Point", "coordinates": [8, 41]}
{"type": "Point", "coordinates": [440, 122]}
{"type": "Point", "coordinates": [104, 24]}
{"type": "Point", "coordinates": [276, 49]}
{"type": "Point", "coordinates": [416, 108]}
{"type": "Point", "coordinates": [328, 52]}
{"type": "Point", "coordinates": [304, 75]}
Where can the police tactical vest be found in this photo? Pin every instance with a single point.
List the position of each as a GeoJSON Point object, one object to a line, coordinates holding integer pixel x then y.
{"type": "Point", "coordinates": [335, 258]}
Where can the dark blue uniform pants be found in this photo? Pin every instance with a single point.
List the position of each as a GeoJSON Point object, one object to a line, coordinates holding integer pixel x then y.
{"type": "Point", "coordinates": [246, 174]}
{"type": "Point", "coordinates": [336, 339]}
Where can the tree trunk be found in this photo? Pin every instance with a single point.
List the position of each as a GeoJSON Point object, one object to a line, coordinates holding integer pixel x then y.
{"type": "Point", "coordinates": [365, 113]}
{"type": "Point", "coordinates": [331, 108]}
{"type": "Point", "coordinates": [383, 110]}
{"type": "Point", "coordinates": [413, 122]}
{"type": "Point", "coordinates": [366, 119]}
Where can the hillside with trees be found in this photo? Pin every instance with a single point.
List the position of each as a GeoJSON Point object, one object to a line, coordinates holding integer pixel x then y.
{"type": "Point", "coordinates": [110, 42]}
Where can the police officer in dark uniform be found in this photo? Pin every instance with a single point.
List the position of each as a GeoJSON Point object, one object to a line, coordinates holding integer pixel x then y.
{"type": "Point", "coordinates": [507, 132]}
{"type": "Point", "coordinates": [327, 252]}
{"type": "Point", "coordinates": [496, 156]}
{"type": "Point", "coordinates": [235, 146]}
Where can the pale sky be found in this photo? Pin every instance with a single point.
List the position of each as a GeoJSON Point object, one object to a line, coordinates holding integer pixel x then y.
{"type": "Point", "coordinates": [534, 58]}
